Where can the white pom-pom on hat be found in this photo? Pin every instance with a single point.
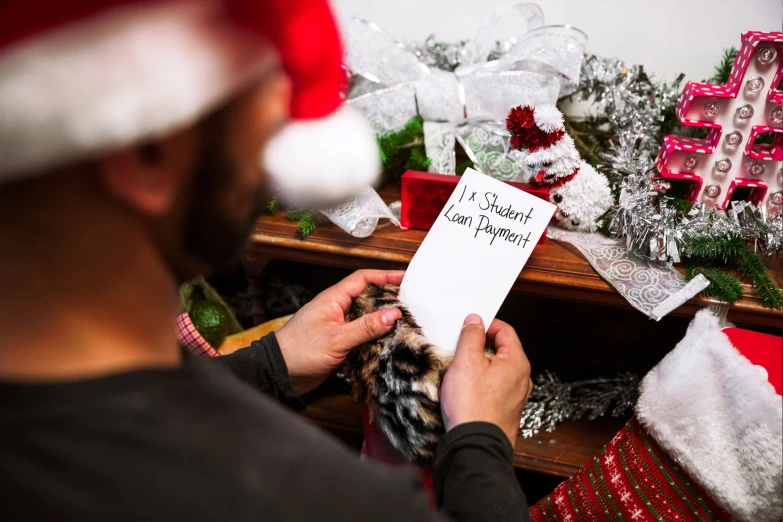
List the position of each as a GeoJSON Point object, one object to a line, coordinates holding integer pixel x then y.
{"type": "Point", "coordinates": [548, 118]}
{"type": "Point", "coordinates": [323, 161]}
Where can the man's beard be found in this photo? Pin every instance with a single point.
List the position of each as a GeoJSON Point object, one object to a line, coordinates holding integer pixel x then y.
{"type": "Point", "coordinates": [210, 236]}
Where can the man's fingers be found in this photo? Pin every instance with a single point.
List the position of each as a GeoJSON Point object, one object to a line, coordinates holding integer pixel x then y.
{"type": "Point", "coordinates": [356, 283]}
{"type": "Point", "coordinates": [471, 339]}
{"type": "Point", "coordinates": [368, 327]}
{"type": "Point", "coordinates": [504, 338]}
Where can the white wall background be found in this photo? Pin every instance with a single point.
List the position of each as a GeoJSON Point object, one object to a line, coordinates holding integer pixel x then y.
{"type": "Point", "coordinates": [666, 36]}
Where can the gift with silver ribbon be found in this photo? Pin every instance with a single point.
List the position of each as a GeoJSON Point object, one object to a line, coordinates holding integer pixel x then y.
{"type": "Point", "coordinates": [462, 91]}
{"type": "Point", "coordinates": [469, 104]}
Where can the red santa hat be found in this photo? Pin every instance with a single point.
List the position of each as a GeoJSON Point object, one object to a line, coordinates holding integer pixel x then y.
{"type": "Point", "coordinates": [82, 77]}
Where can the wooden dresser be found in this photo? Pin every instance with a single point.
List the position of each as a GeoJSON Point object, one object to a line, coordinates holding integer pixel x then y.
{"type": "Point", "coordinates": [570, 321]}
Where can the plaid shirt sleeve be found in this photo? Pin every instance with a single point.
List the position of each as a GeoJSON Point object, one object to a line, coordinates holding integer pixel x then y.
{"type": "Point", "coordinates": [189, 337]}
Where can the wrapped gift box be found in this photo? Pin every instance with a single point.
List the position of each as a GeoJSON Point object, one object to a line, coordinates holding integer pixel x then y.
{"type": "Point", "coordinates": [424, 195]}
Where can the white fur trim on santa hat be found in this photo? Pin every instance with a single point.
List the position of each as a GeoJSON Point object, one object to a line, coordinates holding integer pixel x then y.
{"type": "Point", "coordinates": [718, 417]}
{"type": "Point", "coordinates": [127, 74]}
{"type": "Point", "coordinates": [324, 161]}
{"type": "Point", "coordinates": [548, 118]}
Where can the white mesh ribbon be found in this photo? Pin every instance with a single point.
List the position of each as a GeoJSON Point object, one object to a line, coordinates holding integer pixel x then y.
{"type": "Point", "coordinates": [439, 144]}
{"type": "Point", "coordinates": [478, 93]}
{"type": "Point", "coordinates": [653, 287]}
{"type": "Point", "coordinates": [360, 215]}
{"type": "Point", "coordinates": [554, 49]}
{"type": "Point", "coordinates": [387, 110]}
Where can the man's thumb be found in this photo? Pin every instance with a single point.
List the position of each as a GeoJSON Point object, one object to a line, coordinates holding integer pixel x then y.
{"type": "Point", "coordinates": [472, 338]}
{"type": "Point", "coordinates": [370, 326]}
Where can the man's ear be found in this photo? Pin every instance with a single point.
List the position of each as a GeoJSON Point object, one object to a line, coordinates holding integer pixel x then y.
{"type": "Point", "coordinates": [149, 177]}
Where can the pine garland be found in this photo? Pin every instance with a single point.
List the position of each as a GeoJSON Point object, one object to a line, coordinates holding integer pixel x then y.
{"type": "Point", "coordinates": [403, 150]}
{"type": "Point", "coordinates": [723, 69]}
{"type": "Point", "coordinates": [752, 267]}
{"type": "Point", "coordinates": [682, 205]}
{"type": "Point", "coordinates": [704, 252]}
{"type": "Point", "coordinates": [307, 221]}
{"type": "Point", "coordinates": [722, 285]}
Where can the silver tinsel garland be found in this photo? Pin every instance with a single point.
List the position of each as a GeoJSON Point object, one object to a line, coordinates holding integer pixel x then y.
{"type": "Point", "coordinates": [554, 401]}
{"type": "Point", "coordinates": [626, 97]}
{"type": "Point", "coordinates": [447, 56]}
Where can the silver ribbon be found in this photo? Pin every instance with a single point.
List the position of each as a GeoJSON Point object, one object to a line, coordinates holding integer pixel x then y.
{"type": "Point", "coordinates": [360, 215]}
{"type": "Point", "coordinates": [651, 286]}
{"type": "Point", "coordinates": [470, 104]}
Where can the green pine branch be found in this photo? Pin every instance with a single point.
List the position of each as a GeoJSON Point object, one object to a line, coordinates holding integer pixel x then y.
{"type": "Point", "coordinates": [306, 221]}
{"type": "Point", "coordinates": [705, 251]}
{"type": "Point", "coordinates": [723, 69]}
{"type": "Point", "coordinates": [723, 249]}
{"type": "Point", "coordinates": [273, 205]}
{"type": "Point", "coordinates": [681, 205]}
{"type": "Point", "coordinates": [403, 150]}
{"type": "Point", "coordinates": [722, 285]}
{"type": "Point", "coordinates": [752, 267]}
{"type": "Point", "coordinates": [418, 159]}
{"type": "Point", "coordinates": [393, 143]}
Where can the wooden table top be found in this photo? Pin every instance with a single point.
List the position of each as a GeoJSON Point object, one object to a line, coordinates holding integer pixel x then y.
{"type": "Point", "coordinates": [554, 269]}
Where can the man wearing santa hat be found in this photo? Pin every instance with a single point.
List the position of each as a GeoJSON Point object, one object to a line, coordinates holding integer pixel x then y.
{"type": "Point", "coordinates": [132, 133]}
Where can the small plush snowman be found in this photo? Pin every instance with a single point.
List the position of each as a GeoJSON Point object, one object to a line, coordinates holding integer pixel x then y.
{"type": "Point", "coordinates": [581, 194]}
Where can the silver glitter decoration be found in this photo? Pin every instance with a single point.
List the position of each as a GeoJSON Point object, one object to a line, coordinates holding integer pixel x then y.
{"type": "Point", "coordinates": [626, 96]}
{"type": "Point", "coordinates": [441, 55]}
{"type": "Point", "coordinates": [554, 401]}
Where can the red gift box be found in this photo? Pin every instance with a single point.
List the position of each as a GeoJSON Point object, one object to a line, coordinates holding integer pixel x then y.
{"type": "Point", "coordinates": [424, 195]}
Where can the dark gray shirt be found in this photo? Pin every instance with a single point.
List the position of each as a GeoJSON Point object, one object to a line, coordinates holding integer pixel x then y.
{"type": "Point", "coordinates": [197, 443]}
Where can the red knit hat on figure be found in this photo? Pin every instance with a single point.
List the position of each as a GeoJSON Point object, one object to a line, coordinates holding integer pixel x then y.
{"type": "Point", "coordinates": [82, 77]}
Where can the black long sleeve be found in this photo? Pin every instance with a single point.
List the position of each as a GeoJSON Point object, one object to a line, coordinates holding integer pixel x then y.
{"type": "Point", "coordinates": [474, 477]}
{"type": "Point", "coordinates": [262, 365]}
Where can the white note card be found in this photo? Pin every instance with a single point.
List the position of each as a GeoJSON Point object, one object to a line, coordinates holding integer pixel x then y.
{"type": "Point", "coordinates": [471, 256]}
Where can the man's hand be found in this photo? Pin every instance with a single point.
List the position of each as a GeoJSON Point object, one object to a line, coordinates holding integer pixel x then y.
{"type": "Point", "coordinates": [486, 388]}
{"type": "Point", "coordinates": [316, 340]}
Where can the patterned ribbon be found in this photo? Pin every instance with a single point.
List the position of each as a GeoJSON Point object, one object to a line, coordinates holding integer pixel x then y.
{"type": "Point", "coordinates": [651, 286]}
